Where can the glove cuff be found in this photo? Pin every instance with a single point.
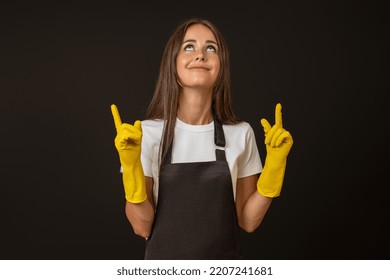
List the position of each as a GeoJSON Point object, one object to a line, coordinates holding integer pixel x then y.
{"type": "Point", "coordinates": [271, 180]}
{"type": "Point", "coordinates": [134, 185]}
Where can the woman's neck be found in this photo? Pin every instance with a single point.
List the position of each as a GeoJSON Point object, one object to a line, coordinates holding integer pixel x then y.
{"type": "Point", "coordinates": [195, 107]}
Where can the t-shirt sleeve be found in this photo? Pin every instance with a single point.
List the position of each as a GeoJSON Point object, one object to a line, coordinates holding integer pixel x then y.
{"type": "Point", "coordinates": [249, 162]}
{"type": "Point", "coordinates": [146, 158]}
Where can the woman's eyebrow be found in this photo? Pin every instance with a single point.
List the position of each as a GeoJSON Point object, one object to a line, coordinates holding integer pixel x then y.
{"type": "Point", "coordinates": [194, 41]}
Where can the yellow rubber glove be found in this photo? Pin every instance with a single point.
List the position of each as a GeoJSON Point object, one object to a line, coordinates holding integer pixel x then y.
{"type": "Point", "coordinates": [128, 144]}
{"type": "Point", "coordinates": [278, 143]}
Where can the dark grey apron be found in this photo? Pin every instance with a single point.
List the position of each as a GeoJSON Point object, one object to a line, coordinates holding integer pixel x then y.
{"type": "Point", "coordinates": [195, 215]}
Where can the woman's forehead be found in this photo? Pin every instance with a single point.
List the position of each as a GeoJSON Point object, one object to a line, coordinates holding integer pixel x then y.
{"type": "Point", "coordinates": [198, 32]}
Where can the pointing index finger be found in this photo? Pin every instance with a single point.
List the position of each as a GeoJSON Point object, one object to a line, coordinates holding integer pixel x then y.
{"type": "Point", "coordinates": [116, 116]}
{"type": "Point", "coordinates": [278, 115]}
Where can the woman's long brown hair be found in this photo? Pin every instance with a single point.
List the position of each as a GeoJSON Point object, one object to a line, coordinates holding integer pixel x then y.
{"type": "Point", "coordinates": [165, 100]}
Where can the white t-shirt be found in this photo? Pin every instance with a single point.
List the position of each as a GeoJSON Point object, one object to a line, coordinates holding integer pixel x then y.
{"type": "Point", "coordinates": [195, 143]}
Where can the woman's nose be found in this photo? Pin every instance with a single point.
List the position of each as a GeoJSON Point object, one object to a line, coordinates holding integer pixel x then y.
{"type": "Point", "coordinates": [200, 56]}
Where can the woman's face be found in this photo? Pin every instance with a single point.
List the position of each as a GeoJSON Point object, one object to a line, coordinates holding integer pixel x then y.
{"type": "Point", "coordinates": [197, 62]}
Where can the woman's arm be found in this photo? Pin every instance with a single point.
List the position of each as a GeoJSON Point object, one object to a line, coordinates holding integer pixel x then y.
{"type": "Point", "coordinates": [254, 194]}
{"type": "Point", "coordinates": [141, 215]}
{"type": "Point", "coordinates": [250, 204]}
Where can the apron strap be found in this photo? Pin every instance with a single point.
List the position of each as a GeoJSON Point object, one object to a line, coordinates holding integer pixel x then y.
{"type": "Point", "coordinates": [219, 139]}
{"type": "Point", "coordinates": [169, 153]}
{"type": "Point", "coordinates": [219, 136]}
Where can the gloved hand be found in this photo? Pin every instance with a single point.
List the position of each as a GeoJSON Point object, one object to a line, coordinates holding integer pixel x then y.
{"type": "Point", "coordinates": [278, 143]}
{"type": "Point", "coordinates": [128, 144]}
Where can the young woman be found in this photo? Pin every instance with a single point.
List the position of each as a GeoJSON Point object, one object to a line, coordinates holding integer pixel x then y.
{"type": "Point", "coordinates": [191, 168]}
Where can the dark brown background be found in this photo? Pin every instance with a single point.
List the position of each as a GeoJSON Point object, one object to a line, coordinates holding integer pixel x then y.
{"type": "Point", "coordinates": [62, 65]}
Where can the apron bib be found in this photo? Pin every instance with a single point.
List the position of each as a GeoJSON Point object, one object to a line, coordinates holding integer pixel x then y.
{"type": "Point", "coordinates": [195, 214]}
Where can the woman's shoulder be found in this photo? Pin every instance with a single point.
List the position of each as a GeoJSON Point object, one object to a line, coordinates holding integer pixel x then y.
{"type": "Point", "coordinates": [240, 127]}
{"type": "Point", "coordinates": [155, 123]}
{"type": "Point", "coordinates": [240, 132]}
{"type": "Point", "coordinates": [152, 128]}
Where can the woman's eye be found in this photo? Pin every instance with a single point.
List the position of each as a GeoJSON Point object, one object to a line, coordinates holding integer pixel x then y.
{"type": "Point", "coordinates": [211, 49]}
{"type": "Point", "coordinates": [189, 48]}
